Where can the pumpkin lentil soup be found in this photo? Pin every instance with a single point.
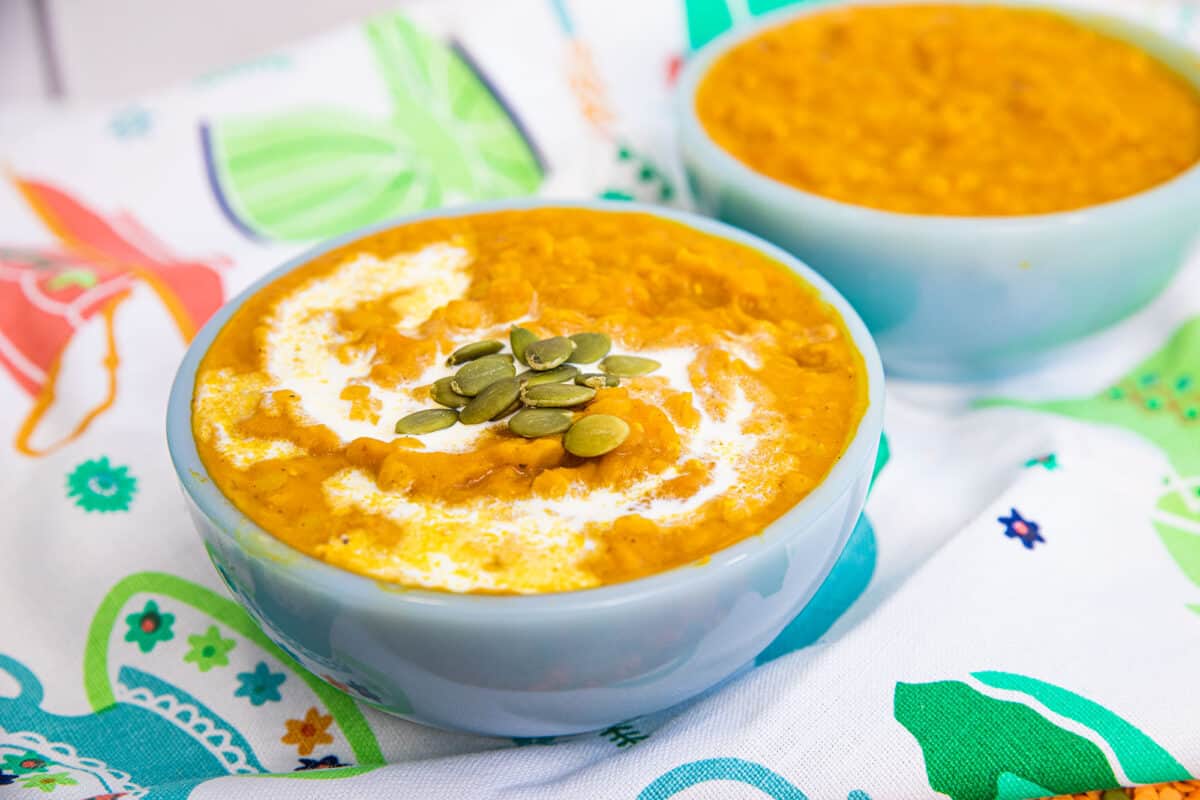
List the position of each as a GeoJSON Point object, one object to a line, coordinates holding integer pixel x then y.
{"type": "Point", "coordinates": [972, 110]}
{"type": "Point", "coordinates": [731, 390]}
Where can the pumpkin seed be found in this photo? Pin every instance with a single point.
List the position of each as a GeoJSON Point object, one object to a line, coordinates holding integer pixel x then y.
{"type": "Point", "coordinates": [590, 347]}
{"type": "Point", "coordinates": [629, 366]}
{"type": "Point", "coordinates": [475, 376]}
{"type": "Point", "coordinates": [520, 338]}
{"type": "Point", "coordinates": [426, 421]}
{"type": "Point", "coordinates": [560, 374]}
{"type": "Point", "coordinates": [474, 350]}
{"type": "Point", "coordinates": [534, 422]}
{"type": "Point", "coordinates": [443, 394]}
{"type": "Point", "coordinates": [491, 402]}
{"type": "Point", "coordinates": [597, 380]}
{"type": "Point", "coordinates": [516, 405]}
{"type": "Point", "coordinates": [556, 395]}
{"type": "Point", "coordinates": [548, 353]}
{"type": "Point", "coordinates": [595, 435]}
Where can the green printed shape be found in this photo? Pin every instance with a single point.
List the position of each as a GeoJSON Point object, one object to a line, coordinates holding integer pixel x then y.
{"type": "Point", "coordinates": [1012, 787]}
{"type": "Point", "coordinates": [706, 20]}
{"type": "Point", "coordinates": [971, 740]}
{"type": "Point", "coordinates": [318, 172]}
{"type": "Point", "coordinates": [767, 6]}
{"type": "Point", "coordinates": [1143, 760]}
{"type": "Point", "coordinates": [98, 685]}
{"type": "Point", "coordinates": [81, 277]}
{"type": "Point", "coordinates": [638, 178]}
{"type": "Point", "coordinates": [319, 774]}
{"type": "Point", "coordinates": [1179, 528]}
{"type": "Point", "coordinates": [97, 485]}
{"type": "Point", "coordinates": [1152, 400]}
{"type": "Point", "coordinates": [1159, 400]}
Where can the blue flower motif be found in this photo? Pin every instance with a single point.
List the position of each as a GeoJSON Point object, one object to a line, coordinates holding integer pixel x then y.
{"type": "Point", "coordinates": [1017, 527]}
{"type": "Point", "coordinates": [260, 686]}
{"type": "Point", "coordinates": [6, 779]}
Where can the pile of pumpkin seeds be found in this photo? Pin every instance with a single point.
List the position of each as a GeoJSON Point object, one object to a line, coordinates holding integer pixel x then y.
{"type": "Point", "coordinates": [541, 399]}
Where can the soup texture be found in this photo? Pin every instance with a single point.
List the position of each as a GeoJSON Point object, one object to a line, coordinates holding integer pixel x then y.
{"type": "Point", "coordinates": [964, 110]}
{"type": "Point", "coordinates": [757, 392]}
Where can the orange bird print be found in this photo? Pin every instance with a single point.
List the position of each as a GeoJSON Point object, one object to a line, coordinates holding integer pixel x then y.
{"type": "Point", "coordinates": [48, 294]}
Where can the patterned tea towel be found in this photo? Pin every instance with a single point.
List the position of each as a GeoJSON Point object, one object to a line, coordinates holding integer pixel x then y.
{"type": "Point", "coordinates": [1017, 615]}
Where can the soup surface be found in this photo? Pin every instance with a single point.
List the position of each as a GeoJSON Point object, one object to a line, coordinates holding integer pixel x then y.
{"type": "Point", "coordinates": [759, 391]}
{"type": "Point", "coordinates": [951, 109]}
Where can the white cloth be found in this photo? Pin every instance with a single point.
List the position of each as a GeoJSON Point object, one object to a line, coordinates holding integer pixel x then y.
{"type": "Point", "coordinates": [971, 664]}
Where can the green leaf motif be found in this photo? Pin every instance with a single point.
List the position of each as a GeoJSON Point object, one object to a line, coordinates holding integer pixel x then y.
{"type": "Point", "coordinates": [970, 741]}
{"type": "Point", "coordinates": [317, 172]}
{"type": "Point", "coordinates": [978, 747]}
{"type": "Point", "coordinates": [1152, 400]}
{"type": "Point", "coordinates": [1143, 760]}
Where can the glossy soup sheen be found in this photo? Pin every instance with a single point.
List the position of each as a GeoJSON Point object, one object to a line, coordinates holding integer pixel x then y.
{"type": "Point", "coordinates": [972, 110]}
{"type": "Point", "coordinates": [760, 391]}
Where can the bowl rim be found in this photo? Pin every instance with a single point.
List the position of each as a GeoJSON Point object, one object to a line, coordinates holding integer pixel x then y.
{"type": "Point", "coordinates": [855, 461]}
{"type": "Point", "coordinates": [1179, 56]}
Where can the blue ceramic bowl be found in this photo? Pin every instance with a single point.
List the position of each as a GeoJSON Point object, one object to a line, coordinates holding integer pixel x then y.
{"type": "Point", "coordinates": [960, 297]}
{"type": "Point", "coordinates": [535, 665]}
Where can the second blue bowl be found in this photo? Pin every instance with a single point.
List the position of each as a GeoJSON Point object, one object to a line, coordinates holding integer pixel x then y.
{"type": "Point", "coordinates": [960, 297]}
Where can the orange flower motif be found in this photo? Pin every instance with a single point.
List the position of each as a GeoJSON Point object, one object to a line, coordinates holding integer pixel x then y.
{"type": "Point", "coordinates": [308, 732]}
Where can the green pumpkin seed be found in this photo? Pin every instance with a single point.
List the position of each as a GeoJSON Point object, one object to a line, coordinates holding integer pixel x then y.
{"type": "Point", "coordinates": [534, 422]}
{"type": "Point", "coordinates": [595, 435]}
{"type": "Point", "coordinates": [516, 405]}
{"type": "Point", "coordinates": [520, 338]}
{"type": "Point", "coordinates": [427, 421]}
{"type": "Point", "coordinates": [548, 353]}
{"type": "Point", "coordinates": [590, 347]}
{"type": "Point", "coordinates": [491, 402]}
{"type": "Point", "coordinates": [474, 350]}
{"type": "Point", "coordinates": [475, 376]}
{"type": "Point", "coordinates": [560, 374]}
{"type": "Point", "coordinates": [556, 395]}
{"type": "Point", "coordinates": [443, 394]}
{"type": "Point", "coordinates": [629, 366]}
{"type": "Point", "coordinates": [597, 380]}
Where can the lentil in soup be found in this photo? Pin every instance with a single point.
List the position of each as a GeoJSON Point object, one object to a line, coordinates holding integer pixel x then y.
{"type": "Point", "coordinates": [527, 401]}
{"type": "Point", "coordinates": [964, 110]}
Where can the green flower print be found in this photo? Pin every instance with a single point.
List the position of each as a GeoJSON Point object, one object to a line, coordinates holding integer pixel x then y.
{"type": "Point", "coordinates": [23, 763]}
{"type": "Point", "coordinates": [260, 686]}
{"type": "Point", "coordinates": [209, 649]}
{"type": "Point", "coordinates": [47, 782]}
{"type": "Point", "coordinates": [149, 627]}
{"type": "Point", "coordinates": [99, 486]}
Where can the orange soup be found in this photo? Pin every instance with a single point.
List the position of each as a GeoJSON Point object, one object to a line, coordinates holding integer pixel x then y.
{"type": "Point", "coordinates": [733, 386]}
{"type": "Point", "coordinates": [972, 110]}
